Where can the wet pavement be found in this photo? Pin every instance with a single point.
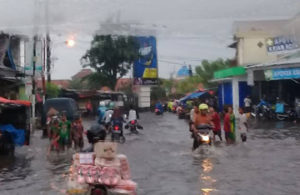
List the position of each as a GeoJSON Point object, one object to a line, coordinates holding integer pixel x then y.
{"type": "Point", "coordinates": [162, 162]}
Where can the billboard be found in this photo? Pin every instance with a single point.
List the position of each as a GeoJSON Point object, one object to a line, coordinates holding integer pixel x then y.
{"type": "Point", "coordinates": [145, 68]}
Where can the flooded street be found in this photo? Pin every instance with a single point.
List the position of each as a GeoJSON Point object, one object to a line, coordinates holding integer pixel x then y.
{"type": "Point", "coordinates": [162, 162]}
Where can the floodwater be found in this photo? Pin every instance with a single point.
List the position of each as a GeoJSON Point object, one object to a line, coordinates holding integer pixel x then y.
{"type": "Point", "coordinates": [162, 162]}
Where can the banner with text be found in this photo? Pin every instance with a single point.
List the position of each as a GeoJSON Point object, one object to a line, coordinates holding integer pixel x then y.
{"type": "Point", "coordinates": [282, 73]}
{"type": "Point", "coordinates": [145, 68]}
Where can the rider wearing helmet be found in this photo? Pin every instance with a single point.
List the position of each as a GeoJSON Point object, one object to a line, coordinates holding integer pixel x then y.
{"type": "Point", "coordinates": [108, 114]}
{"type": "Point", "coordinates": [101, 111]}
{"type": "Point", "coordinates": [201, 118]}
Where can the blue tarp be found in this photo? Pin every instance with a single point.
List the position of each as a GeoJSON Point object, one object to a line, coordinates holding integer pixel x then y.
{"type": "Point", "coordinates": [192, 96]}
{"type": "Point", "coordinates": [18, 135]}
{"type": "Point", "coordinates": [279, 108]}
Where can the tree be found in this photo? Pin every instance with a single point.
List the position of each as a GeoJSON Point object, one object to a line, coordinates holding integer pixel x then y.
{"type": "Point", "coordinates": [157, 93]}
{"type": "Point", "coordinates": [188, 84]}
{"type": "Point", "coordinates": [52, 90]}
{"type": "Point", "coordinates": [111, 57]}
{"type": "Point", "coordinates": [207, 69]}
{"type": "Point", "coordinates": [78, 84]}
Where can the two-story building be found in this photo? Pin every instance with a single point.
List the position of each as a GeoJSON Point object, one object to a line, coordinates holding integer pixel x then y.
{"type": "Point", "coordinates": [256, 42]}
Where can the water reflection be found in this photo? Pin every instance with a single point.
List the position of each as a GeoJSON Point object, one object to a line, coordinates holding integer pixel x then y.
{"type": "Point", "coordinates": [207, 182]}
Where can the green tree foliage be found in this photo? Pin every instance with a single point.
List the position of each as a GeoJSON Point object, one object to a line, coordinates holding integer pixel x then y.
{"type": "Point", "coordinates": [206, 70]}
{"type": "Point", "coordinates": [204, 73]}
{"type": "Point", "coordinates": [188, 84]}
{"type": "Point", "coordinates": [111, 57]}
{"type": "Point", "coordinates": [52, 90]}
{"type": "Point", "coordinates": [78, 84]}
{"type": "Point", "coordinates": [157, 93]}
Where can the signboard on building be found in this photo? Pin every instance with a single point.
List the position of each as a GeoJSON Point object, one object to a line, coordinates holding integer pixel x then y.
{"type": "Point", "coordinates": [280, 45]}
{"type": "Point", "coordinates": [145, 68]}
{"type": "Point", "coordinates": [29, 58]}
{"type": "Point", "coordinates": [282, 73]}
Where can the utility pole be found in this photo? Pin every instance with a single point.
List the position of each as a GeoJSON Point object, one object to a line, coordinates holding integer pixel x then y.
{"type": "Point", "coordinates": [48, 61]}
{"type": "Point", "coordinates": [48, 41]}
{"type": "Point", "coordinates": [33, 81]}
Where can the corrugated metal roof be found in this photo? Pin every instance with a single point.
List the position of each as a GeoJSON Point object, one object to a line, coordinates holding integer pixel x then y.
{"type": "Point", "coordinates": [288, 61]}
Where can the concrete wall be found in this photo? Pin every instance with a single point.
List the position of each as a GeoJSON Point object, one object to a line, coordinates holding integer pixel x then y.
{"type": "Point", "coordinates": [249, 51]}
{"type": "Point", "coordinates": [144, 97]}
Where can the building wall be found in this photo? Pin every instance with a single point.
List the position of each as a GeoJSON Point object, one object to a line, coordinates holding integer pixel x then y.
{"type": "Point", "coordinates": [249, 51]}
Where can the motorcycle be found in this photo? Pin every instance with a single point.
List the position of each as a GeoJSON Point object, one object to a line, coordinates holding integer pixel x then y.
{"type": "Point", "coordinates": [181, 113]}
{"type": "Point", "coordinates": [133, 126]}
{"type": "Point", "coordinates": [203, 135]}
{"type": "Point", "coordinates": [117, 132]}
{"type": "Point", "coordinates": [283, 113]}
{"type": "Point", "coordinates": [264, 112]}
{"type": "Point", "coordinates": [158, 112]}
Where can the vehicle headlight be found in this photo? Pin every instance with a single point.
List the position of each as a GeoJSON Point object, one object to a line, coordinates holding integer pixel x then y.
{"type": "Point", "coordinates": [205, 138]}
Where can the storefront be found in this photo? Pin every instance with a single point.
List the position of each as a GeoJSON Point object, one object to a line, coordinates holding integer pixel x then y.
{"type": "Point", "coordinates": [232, 87]}
{"type": "Point", "coordinates": [279, 79]}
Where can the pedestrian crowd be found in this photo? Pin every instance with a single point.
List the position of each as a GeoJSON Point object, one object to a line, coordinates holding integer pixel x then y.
{"type": "Point", "coordinates": [64, 134]}
{"type": "Point", "coordinates": [203, 114]}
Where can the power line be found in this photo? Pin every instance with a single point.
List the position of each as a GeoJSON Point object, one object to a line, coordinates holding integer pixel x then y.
{"type": "Point", "coordinates": [177, 63]}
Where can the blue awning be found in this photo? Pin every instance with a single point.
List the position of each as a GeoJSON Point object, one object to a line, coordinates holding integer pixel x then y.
{"type": "Point", "coordinates": [194, 95]}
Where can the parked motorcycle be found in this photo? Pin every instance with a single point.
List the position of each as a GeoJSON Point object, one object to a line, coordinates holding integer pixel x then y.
{"type": "Point", "coordinates": [283, 112]}
{"type": "Point", "coordinates": [264, 112]}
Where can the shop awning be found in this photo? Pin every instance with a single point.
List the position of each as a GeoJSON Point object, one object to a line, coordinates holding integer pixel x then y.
{"type": "Point", "coordinates": [282, 63]}
{"type": "Point", "coordinates": [194, 95]}
{"type": "Point", "coordinates": [14, 102]}
{"type": "Point", "coordinates": [230, 72]}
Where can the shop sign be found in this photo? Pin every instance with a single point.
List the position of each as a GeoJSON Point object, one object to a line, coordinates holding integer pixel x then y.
{"type": "Point", "coordinates": [282, 73]}
{"type": "Point", "coordinates": [278, 45]}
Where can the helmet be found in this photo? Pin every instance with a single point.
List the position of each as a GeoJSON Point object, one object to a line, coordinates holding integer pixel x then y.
{"type": "Point", "coordinates": [203, 107]}
{"type": "Point", "coordinates": [96, 133]}
{"type": "Point", "coordinates": [102, 103]}
{"type": "Point", "coordinates": [111, 105]}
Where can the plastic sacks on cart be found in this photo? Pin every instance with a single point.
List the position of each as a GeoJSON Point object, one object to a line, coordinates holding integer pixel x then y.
{"type": "Point", "coordinates": [18, 135]}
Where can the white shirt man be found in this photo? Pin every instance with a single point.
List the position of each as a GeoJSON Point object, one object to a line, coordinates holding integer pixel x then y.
{"type": "Point", "coordinates": [132, 115]}
{"type": "Point", "coordinates": [243, 126]}
{"type": "Point", "coordinates": [247, 102]}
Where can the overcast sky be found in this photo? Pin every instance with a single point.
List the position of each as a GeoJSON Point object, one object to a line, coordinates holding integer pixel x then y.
{"type": "Point", "coordinates": [186, 30]}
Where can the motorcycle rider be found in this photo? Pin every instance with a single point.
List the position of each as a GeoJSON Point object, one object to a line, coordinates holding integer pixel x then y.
{"type": "Point", "coordinates": [95, 134]}
{"type": "Point", "coordinates": [132, 114]}
{"type": "Point", "coordinates": [101, 111]}
{"type": "Point", "coordinates": [159, 106]}
{"type": "Point", "coordinates": [107, 116]}
{"type": "Point", "coordinates": [201, 118]}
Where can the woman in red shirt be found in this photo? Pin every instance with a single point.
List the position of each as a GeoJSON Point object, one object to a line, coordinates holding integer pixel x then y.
{"type": "Point", "coordinates": [227, 125]}
{"type": "Point", "coordinates": [217, 123]}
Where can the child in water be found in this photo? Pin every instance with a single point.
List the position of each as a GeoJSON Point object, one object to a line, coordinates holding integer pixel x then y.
{"type": "Point", "coordinates": [54, 145]}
